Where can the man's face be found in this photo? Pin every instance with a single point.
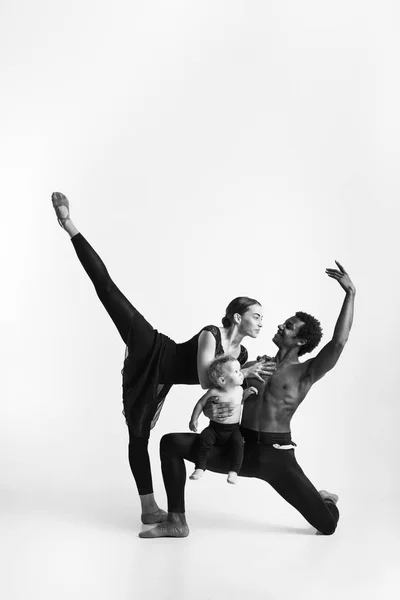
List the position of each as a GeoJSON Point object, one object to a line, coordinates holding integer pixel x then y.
{"type": "Point", "coordinates": [251, 321]}
{"type": "Point", "coordinates": [288, 334]}
{"type": "Point", "coordinates": [232, 373]}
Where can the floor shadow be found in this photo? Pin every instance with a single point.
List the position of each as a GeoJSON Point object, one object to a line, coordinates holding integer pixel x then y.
{"type": "Point", "coordinates": [101, 510]}
{"type": "Point", "coordinates": [94, 509]}
{"type": "Point", "coordinates": [246, 524]}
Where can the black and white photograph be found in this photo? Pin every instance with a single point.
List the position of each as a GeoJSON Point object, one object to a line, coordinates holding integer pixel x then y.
{"type": "Point", "coordinates": [199, 316]}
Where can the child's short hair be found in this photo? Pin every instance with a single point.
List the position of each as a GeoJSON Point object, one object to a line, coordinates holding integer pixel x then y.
{"type": "Point", "coordinates": [216, 369]}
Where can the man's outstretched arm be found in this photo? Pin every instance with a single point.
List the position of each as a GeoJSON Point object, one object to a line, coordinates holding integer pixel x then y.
{"type": "Point", "coordinates": [327, 358]}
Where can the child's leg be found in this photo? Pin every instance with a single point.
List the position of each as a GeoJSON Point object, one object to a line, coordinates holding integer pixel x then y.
{"type": "Point", "coordinates": [237, 449]}
{"type": "Point", "coordinates": [205, 441]}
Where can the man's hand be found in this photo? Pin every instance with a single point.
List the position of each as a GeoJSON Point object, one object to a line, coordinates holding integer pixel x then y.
{"type": "Point", "coordinates": [260, 370]}
{"type": "Point", "coordinates": [218, 411]}
{"type": "Point", "coordinates": [342, 277]}
{"type": "Point", "coordinates": [328, 356]}
{"type": "Point", "coordinates": [193, 426]}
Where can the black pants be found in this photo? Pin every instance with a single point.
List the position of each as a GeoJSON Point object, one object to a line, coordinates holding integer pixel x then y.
{"type": "Point", "coordinates": [277, 467]}
{"type": "Point", "coordinates": [121, 312]}
{"type": "Point", "coordinates": [219, 434]}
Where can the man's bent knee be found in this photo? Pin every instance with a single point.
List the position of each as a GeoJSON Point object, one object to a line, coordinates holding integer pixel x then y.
{"type": "Point", "coordinates": [167, 443]}
{"type": "Point", "coordinates": [327, 531]}
{"type": "Point", "coordinates": [328, 528]}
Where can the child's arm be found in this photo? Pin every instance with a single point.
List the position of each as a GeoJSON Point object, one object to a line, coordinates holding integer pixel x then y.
{"type": "Point", "coordinates": [249, 392]}
{"type": "Point", "coordinates": [198, 409]}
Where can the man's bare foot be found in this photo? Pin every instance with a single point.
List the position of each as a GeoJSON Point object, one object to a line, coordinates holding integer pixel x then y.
{"type": "Point", "coordinates": [61, 206]}
{"type": "Point", "coordinates": [166, 530]}
{"type": "Point", "coordinates": [158, 516]}
{"type": "Point", "coordinates": [176, 526]}
{"type": "Point", "coordinates": [197, 474]}
{"type": "Point", "coordinates": [232, 477]}
{"type": "Point", "coordinates": [328, 496]}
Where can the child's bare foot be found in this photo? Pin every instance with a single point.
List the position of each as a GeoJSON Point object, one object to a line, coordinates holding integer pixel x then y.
{"type": "Point", "coordinates": [176, 526]}
{"type": "Point", "coordinates": [197, 474]}
{"type": "Point", "coordinates": [158, 516]}
{"type": "Point", "coordinates": [232, 477]}
{"type": "Point", "coordinates": [328, 496]}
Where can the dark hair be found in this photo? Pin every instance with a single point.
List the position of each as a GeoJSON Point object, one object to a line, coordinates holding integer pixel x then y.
{"type": "Point", "coordinates": [238, 305]}
{"type": "Point", "coordinates": [216, 369]}
{"type": "Point", "coordinates": [311, 331]}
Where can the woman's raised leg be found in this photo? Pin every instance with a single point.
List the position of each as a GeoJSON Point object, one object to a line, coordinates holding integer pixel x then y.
{"type": "Point", "coordinates": [121, 312]}
{"type": "Point", "coordinates": [116, 304]}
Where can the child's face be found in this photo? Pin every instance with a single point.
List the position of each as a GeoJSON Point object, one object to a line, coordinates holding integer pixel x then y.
{"type": "Point", "coordinates": [232, 374]}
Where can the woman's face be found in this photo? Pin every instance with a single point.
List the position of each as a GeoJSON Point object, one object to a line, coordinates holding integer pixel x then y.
{"type": "Point", "coordinates": [251, 321]}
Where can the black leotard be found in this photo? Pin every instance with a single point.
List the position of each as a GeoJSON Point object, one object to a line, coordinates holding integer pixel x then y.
{"type": "Point", "coordinates": [154, 363]}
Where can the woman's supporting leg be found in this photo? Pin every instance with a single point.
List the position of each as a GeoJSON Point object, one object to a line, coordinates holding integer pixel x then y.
{"type": "Point", "coordinates": [139, 462]}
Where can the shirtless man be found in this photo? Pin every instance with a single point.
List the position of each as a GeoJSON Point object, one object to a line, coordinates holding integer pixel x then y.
{"type": "Point", "coordinates": [269, 452]}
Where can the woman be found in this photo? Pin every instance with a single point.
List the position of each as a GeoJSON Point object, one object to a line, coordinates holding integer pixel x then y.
{"type": "Point", "coordinates": [154, 362]}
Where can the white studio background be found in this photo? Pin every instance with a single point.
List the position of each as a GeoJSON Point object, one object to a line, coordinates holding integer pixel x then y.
{"type": "Point", "coordinates": [209, 149]}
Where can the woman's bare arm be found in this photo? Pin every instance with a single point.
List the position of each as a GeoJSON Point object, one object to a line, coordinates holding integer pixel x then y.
{"type": "Point", "coordinates": [205, 356]}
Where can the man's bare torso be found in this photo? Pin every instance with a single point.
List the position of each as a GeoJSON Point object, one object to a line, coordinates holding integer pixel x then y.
{"type": "Point", "coordinates": [278, 398]}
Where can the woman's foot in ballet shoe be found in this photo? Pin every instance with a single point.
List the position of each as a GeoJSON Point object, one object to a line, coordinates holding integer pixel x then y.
{"type": "Point", "coordinates": [159, 516]}
{"type": "Point", "coordinates": [151, 512]}
{"type": "Point", "coordinates": [61, 206]}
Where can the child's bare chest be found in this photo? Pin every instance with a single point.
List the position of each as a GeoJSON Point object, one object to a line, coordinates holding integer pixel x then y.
{"type": "Point", "coordinates": [233, 396]}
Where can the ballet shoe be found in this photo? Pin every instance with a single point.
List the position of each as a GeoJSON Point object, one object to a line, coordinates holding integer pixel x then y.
{"type": "Point", "coordinates": [156, 517]}
{"type": "Point", "coordinates": [58, 199]}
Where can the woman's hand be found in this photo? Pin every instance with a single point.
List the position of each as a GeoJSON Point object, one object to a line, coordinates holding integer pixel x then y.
{"type": "Point", "coordinates": [261, 370]}
{"type": "Point", "coordinates": [218, 411]}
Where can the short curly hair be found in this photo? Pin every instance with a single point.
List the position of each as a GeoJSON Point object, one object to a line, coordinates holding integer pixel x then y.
{"type": "Point", "coordinates": [311, 331]}
{"type": "Point", "coordinates": [216, 369]}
